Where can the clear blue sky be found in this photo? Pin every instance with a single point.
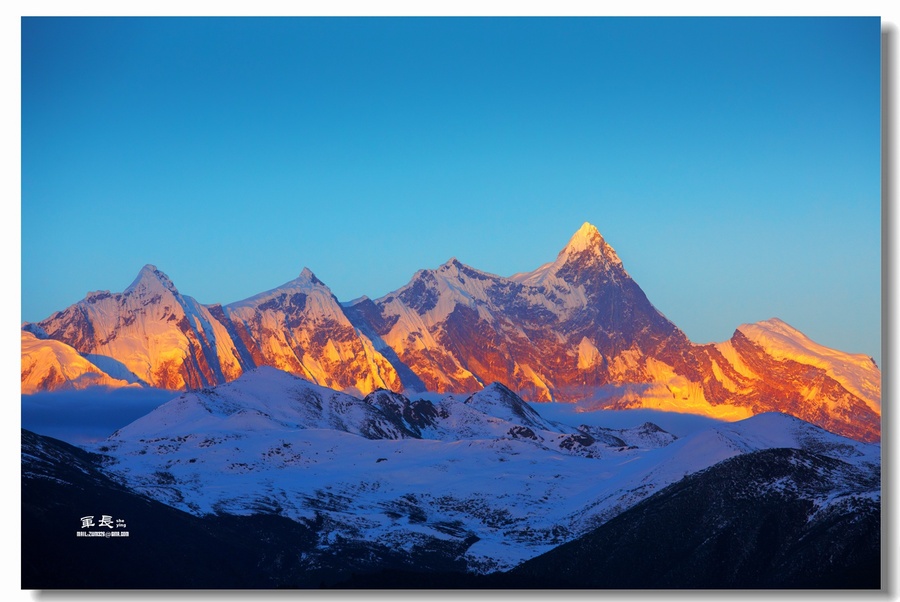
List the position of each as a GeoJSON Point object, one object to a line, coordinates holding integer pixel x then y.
{"type": "Point", "coordinates": [734, 164]}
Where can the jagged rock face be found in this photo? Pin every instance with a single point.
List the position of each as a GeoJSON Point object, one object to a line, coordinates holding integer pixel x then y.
{"type": "Point", "coordinates": [548, 334]}
{"type": "Point", "coordinates": [411, 417]}
{"type": "Point", "coordinates": [300, 328]}
{"type": "Point", "coordinates": [162, 338]}
{"type": "Point", "coordinates": [767, 383]}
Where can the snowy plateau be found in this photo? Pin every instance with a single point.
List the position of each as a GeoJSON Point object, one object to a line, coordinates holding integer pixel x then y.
{"type": "Point", "coordinates": [487, 469]}
{"type": "Point", "coordinates": [310, 443]}
{"type": "Point", "coordinates": [472, 486]}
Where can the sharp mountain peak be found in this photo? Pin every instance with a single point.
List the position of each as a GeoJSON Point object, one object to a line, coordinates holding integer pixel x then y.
{"type": "Point", "coordinates": [586, 235]}
{"type": "Point", "coordinates": [307, 274]}
{"type": "Point", "coordinates": [151, 277]}
{"type": "Point", "coordinates": [588, 239]}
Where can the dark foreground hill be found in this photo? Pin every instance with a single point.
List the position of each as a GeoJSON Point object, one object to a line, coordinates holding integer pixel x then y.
{"type": "Point", "coordinates": [167, 548]}
{"type": "Point", "coordinates": [779, 518]}
{"type": "Point", "coordinates": [773, 519]}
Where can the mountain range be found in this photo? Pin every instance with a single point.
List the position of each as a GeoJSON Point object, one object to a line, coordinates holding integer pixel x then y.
{"type": "Point", "coordinates": [405, 442]}
{"type": "Point", "coordinates": [577, 329]}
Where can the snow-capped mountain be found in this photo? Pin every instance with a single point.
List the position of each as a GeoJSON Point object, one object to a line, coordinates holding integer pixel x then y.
{"type": "Point", "coordinates": [49, 365]}
{"type": "Point", "coordinates": [300, 327]}
{"type": "Point", "coordinates": [266, 399]}
{"type": "Point", "coordinates": [549, 334]}
{"type": "Point", "coordinates": [770, 366]}
{"type": "Point", "coordinates": [153, 335]}
{"type": "Point", "coordinates": [158, 336]}
{"type": "Point", "coordinates": [483, 475]}
{"type": "Point", "coordinates": [577, 329]}
{"type": "Point", "coordinates": [395, 432]}
{"type": "Point", "coordinates": [580, 329]}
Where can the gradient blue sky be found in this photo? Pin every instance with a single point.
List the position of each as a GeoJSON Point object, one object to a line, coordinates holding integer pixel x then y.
{"type": "Point", "coordinates": [734, 164]}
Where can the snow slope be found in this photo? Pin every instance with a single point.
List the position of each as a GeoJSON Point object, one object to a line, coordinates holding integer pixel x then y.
{"type": "Point", "coordinates": [162, 338]}
{"type": "Point", "coordinates": [270, 442]}
{"type": "Point", "coordinates": [858, 373]}
{"type": "Point", "coordinates": [49, 365]}
{"type": "Point", "coordinates": [300, 327]}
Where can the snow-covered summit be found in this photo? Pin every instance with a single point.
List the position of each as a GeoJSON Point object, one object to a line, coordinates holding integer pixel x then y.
{"type": "Point", "coordinates": [301, 327]}
{"type": "Point", "coordinates": [150, 332]}
{"type": "Point", "coordinates": [499, 401]}
{"type": "Point", "coordinates": [357, 301]}
{"type": "Point", "coordinates": [263, 399]}
{"type": "Point", "coordinates": [457, 327]}
{"type": "Point", "coordinates": [433, 294]}
{"type": "Point", "coordinates": [306, 282]}
{"type": "Point", "coordinates": [151, 280]}
{"type": "Point", "coordinates": [588, 238]}
{"type": "Point", "coordinates": [49, 365]}
{"type": "Point", "coordinates": [587, 249]}
{"type": "Point", "coordinates": [858, 373]}
{"type": "Point", "coordinates": [580, 327]}
{"type": "Point", "coordinates": [779, 430]}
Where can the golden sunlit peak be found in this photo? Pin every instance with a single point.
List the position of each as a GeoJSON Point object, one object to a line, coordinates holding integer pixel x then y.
{"type": "Point", "coordinates": [587, 228]}
{"type": "Point", "coordinates": [586, 237]}
{"type": "Point", "coordinates": [588, 241]}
